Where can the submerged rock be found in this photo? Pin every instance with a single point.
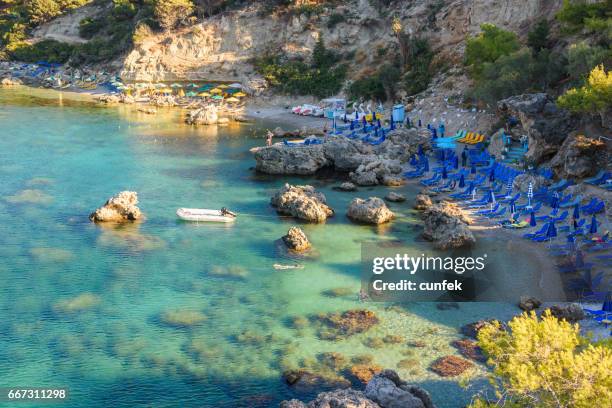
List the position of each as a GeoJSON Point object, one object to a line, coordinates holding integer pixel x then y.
{"type": "Point", "coordinates": [346, 186]}
{"type": "Point", "coordinates": [348, 323]}
{"type": "Point", "coordinates": [79, 303]}
{"type": "Point", "coordinates": [450, 366]}
{"type": "Point", "coordinates": [30, 196]}
{"type": "Point", "coordinates": [395, 197]}
{"type": "Point", "coordinates": [447, 226]}
{"type": "Point", "coordinates": [365, 372]}
{"type": "Point", "coordinates": [471, 329]}
{"type": "Point", "coordinates": [302, 202]}
{"type": "Point", "coordinates": [469, 349]}
{"type": "Point", "coordinates": [370, 211]}
{"type": "Point", "coordinates": [296, 240]}
{"type": "Point", "coordinates": [119, 208]}
{"type": "Point", "coordinates": [308, 380]}
{"type": "Point", "coordinates": [348, 398]}
{"type": "Point", "coordinates": [182, 318]}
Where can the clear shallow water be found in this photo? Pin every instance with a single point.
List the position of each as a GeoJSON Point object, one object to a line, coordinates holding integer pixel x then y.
{"type": "Point", "coordinates": [59, 160]}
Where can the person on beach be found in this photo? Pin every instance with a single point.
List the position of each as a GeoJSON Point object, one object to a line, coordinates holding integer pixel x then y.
{"type": "Point", "coordinates": [269, 137]}
{"type": "Point", "coordinates": [463, 157]}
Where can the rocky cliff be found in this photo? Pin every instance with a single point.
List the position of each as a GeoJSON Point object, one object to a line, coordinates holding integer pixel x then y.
{"type": "Point", "coordinates": [220, 47]}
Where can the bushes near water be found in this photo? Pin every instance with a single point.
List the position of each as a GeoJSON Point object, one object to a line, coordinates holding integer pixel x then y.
{"type": "Point", "coordinates": [323, 76]}
{"type": "Point", "coordinates": [594, 97]}
{"type": "Point", "coordinates": [545, 362]}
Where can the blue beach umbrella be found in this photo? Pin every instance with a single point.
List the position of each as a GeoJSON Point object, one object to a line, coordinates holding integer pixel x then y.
{"type": "Point", "coordinates": [413, 160]}
{"type": "Point", "coordinates": [392, 127]}
{"type": "Point", "coordinates": [462, 181]}
{"type": "Point", "coordinates": [532, 219]}
{"type": "Point", "coordinates": [352, 127]}
{"type": "Point", "coordinates": [473, 169]}
{"type": "Point", "coordinates": [492, 175]}
{"type": "Point", "coordinates": [512, 207]}
{"type": "Point", "coordinates": [434, 133]}
{"type": "Point", "coordinates": [576, 213]}
{"type": "Point", "coordinates": [420, 150]}
{"type": "Point", "coordinates": [426, 168]}
{"type": "Point", "coordinates": [378, 123]}
{"type": "Point", "coordinates": [529, 194]}
{"type": "Point", "coordinates": [444, 173]}
{"type": "Point", "coordinates": [428, 125]}
{"type": "Point", "coordinates": [593, 227]}
{"type": "Point", "coordinates": [364, 121]}
{"type": "Point", "coordinates": [456, 162]}
{"type": "Point", "coordinates": [345, 119]}
{"type": "Point", "coordinates": [356, 115]}
{"type": "Point", "coordinates": [420, 123]}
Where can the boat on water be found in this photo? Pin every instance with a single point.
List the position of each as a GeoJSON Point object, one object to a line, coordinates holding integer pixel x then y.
{"type": "Point", "coordinates": [204, 215]}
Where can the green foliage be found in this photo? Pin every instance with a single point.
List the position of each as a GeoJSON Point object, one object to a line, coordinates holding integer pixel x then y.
{"type": "Point", "coordinates": [369, 88]}
{"type": "Point", "coordinates": [170, 13]}
{"type": "Point", "coordinates": [322, 77]}
{"type": "Point", "coordinates": [419, 69]}
{"type": "Point", "coordinates": [488, 46]}
{"type": "Point", "coordinates": [575, 14]}
{"type": "Point", "coordinates": [123, 10]}
{"type": "Point", "coordinates": [582, 57]}
{"type": "Point", "coordinates": [519, 72]}
{"type": "Point", "coordinates": [594, 97]}
{"type": "Point", "coordinates": [537, 38]}
{"type": "Point", "coordinates": [545, 363]}
{"type": "Point", "coordinates": [335, 19]}
{"type": "Point", "coordinates": [47, 50]}
{"type": "Point", "coordinates": [40, 11]}
{"type": "Point", "coordinates": [88, 27]}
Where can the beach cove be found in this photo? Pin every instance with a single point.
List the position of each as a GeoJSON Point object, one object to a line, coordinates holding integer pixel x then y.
{"type": "Point", "coordinates": [195, 313]}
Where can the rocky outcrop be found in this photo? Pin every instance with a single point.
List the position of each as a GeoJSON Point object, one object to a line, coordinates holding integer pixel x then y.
{"type": "Point", "coordinates": [446, 225]}
{"type": "Point", "coordinates": [348, 398]}
{"type": "Point", "coordinates": [572, 312]}
{"type": "Point", "coordinates": [529, 303]}
{"type": "Point", "coordinates": [496, 144]}
{"type": "Point", "coordinates": [119, 208]}
{"type": "Point", "coordinates": [542, 121]}
{"type": "Point", "coordinates": [309, 381]}
{"type": "Point", "coordinates": [346, 186]}
{"type": "Point", "coordinates": [384, 390]}
{"type": "Point", "coordinates": [521, 182]}
{"type": "Point", "coordinates": [450, 366]}
{"type": "Point", "coordinates": [296, 240]}
{"type": "Point", "coordinates": [9, 81]}
{"type": "Point", "coordinates": [395, 197]}
{"type": "Point", "coordinates": [206, 115]}
{"type": "Point", "coordinates": [422, 202]}
{"type": "Point", "coordinates": [368, 165]}
{"type": "Point", "coordinates": [370, 211]}
{"type": "Point", "coordinates": [301, 202]}
{"type": "Point", "coordinates": [580, 156]}
{"type": "Point", "coordinates": [389, 391]}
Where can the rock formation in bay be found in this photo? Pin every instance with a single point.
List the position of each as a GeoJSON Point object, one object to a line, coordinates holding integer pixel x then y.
{"type": "Point", "coordinates": [119, 208]}
{"type": "Point", "coordinates": [302, 202]}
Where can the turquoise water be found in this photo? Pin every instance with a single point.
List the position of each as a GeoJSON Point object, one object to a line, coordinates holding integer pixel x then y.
{"type": "Point", "coordinates": [83, 305]}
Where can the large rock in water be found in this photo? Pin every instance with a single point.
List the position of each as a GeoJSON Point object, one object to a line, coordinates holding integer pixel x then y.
{"type": "Point", "coordinates": [389, 391]}
{"type": "Point", "coordinates": [206, 115]}
{"type": "Point", "coordinates": [384, 390]}
{"type": "Point", "coordinates": [447, 226]}
{"type": "Point", "coordinates": [545, 124]}
{"type": "Point", "coordinates": [580, 156]}
{"type": "Point", "coordinates": [119, 208]}
{"type": "Point", "coordinates": [296, 240]}
{"type": "Point", "coordinates": [302, 202]}
{"type": "Point", "coordinates": [370, 211]}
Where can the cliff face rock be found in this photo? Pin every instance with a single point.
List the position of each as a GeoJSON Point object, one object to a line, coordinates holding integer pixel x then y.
{"type": "Point", "coordinates": [370, 211]}
{"type": "Point", "coordinates": [542, 121]}
{"type": "Point", "coordinates": [580, 156]}
{"type": "Point", "coordinates": [119, 208]}
{"type": "Point", "coordinates": [447, 226]}
{"type": "Point", "coordinates": [302, 202]}
{"type": "Point", "coordinates": [220, 47]}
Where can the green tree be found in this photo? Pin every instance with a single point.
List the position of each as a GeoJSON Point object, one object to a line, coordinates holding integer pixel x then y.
{"type": "Point", "coordinates": [169, 13]}
{"type": "Point", "coordinates": [40, 11]}
{"type": "Point", "coordinates": [537, 38]}
{"type": "Point", "coordinates": [594, 97]}
{"type": "Point", "coordinates": [582, 57]}
{"type": "Point", "coordinates": [545, 363]}
{"type": "Point", "coordinates": [488, 46]}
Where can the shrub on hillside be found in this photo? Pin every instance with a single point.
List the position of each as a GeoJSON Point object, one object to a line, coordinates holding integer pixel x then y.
{"type": "Point", "coordinates": [170, 13]}
{"type": "Point", "coordinates": [594, 97]}
{"type": "Point", "coordinates": [545, 363]}
{"type": "Point", "coordinates": [40, 11]}
{"type": "Point", "coordinates": [582, 57]}
{"type": "Point", "coordinates": [46, 50]}
{"type": "Point", "coordinates": [488, 46]}
{"type": "Point", "coordinates": [537, 38]}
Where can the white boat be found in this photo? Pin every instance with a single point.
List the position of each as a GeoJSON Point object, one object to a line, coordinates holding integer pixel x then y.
{"type": "Point", "coordinates": [203, 215]}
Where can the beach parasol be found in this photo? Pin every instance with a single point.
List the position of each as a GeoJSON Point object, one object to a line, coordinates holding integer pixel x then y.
{"type": "Point", "coordinates": [413, 160]}
{"type": "Point", "coordinates": [551, 231]}
{"type": "Point", "coordinates": [529, 195]}
{"type": "Point", "coordinates": [492, 174]}
{"type": "Point", "coordinates": [222, 86]}
{"type": "Point", "coordinates": [217, 97]}
{"type": "Point", "coordinates": [235, 85]}
{"type": "Point", "coordinates": [462, 181]}
{"type": "Point", "coordinates": [576, 213]}
{"type": "Point", "coordinates": [420, 123]}
{"type": "Point", "coordinates": [160, 85]}
{"type": "Point", "coordinates": [175, 85]}
{"type": "Point", "coordinates": [426, 167]}
{"type": "Point", "coordinates": [216, 91]}
{"type": "Point", "coordinates": [473, 169]}
{"type": "Point", "coordinates": [352, 126]}
{"type": "Point", "coordinates": [512, 207]}
{"type": "Point", "coordinates": [203, 94]}
{"type": "Point", "coordinates": [166, 90]}
{"type": "Point", "coordinates": [392, 126]}
{"type": "Point", "coordinates": [192, 85]}
{"type": "Point", "coordinates": [456, 162]}
{"type": "Point", "coordinates": [191, 94]}
{"type": "Point", "coordinates": [205, 88]}
{"type": "Point", "coordinates": [444, 173]}
{"type": "Point", "coordinates": [532, 219]}
{"type": "Point", "coordinates": [240, 94]}
{"type": "Point", "coordinates": [593, 226]}
{"type": "Point", "coordinates": [232, 100]}
{"type": "Point", "coordinates": [420, 150]}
